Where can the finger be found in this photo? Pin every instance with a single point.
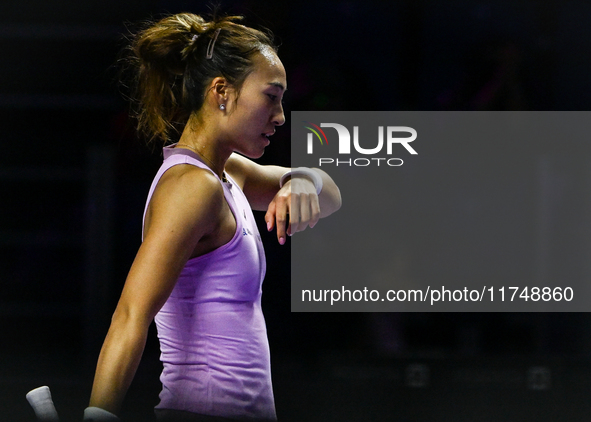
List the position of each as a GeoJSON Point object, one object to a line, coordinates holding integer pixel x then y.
{"type": "Point", "coordinates": [315, 211]}
{"type": "Point", "coordinates": [270, 216]}
{"type": "Point", "coordinates": [281, 218]}
{"type": "Point", "coordinates": [294, 214]}
{"type": "Point", "coordinates": [304, 212]}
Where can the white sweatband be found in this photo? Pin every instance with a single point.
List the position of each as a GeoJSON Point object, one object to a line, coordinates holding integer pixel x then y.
{"type": "Point", "coordinates": [303, 171]}
{"type": "Point", "coordinates": [40, 401]}
{"type": "Point", "coordinates": [96, 414]}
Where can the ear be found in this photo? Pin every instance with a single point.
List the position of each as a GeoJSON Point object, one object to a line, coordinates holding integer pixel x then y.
{"type": "Point", "coordinates": [220, 88]}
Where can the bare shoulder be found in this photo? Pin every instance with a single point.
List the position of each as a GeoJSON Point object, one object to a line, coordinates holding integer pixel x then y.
{"type": "Point", "coordinates": [187, 197]}
{"type": "Point", "coordinates": [189, 177]}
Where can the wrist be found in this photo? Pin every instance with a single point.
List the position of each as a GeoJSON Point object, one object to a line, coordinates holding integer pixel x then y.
{"type": "Point", "coordinates": [306, 172]}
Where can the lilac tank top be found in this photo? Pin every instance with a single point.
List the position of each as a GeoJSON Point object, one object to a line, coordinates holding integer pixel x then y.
{"type": "Point", "coordinates": [212, 332]}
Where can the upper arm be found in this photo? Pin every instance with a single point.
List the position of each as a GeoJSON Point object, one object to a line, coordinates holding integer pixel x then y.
{"type": "Point", "coordinates": [182, 210]}
{"type": "Point", "coordinates": [259, 183]}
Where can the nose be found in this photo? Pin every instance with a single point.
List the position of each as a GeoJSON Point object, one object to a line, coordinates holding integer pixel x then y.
{"type": "Point", "coordinates": [279, 117]}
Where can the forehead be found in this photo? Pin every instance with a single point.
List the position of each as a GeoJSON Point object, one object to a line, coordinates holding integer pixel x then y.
{"type": "Point", "coordinates": [268, 69]}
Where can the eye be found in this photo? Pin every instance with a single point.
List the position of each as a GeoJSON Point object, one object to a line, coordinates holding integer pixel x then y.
{"type": "Point", "coordinates": [272, 97]}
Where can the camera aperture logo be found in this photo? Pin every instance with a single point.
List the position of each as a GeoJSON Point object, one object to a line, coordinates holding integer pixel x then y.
{"type": "Point", "coordinates": [315, 133]}
{"type": "Point", "coordinates": [344, 145]}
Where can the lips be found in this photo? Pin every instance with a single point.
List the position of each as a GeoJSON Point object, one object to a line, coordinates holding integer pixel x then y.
{"type": "Point", "coordinates": [266, 136]}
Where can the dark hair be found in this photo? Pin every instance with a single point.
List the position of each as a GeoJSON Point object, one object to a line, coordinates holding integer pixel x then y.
{"type": "Point", "coordinates": [172, 69]}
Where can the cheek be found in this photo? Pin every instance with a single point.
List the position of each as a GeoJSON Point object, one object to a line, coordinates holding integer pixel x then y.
{"type": "Point", "coordinates": [255, 116]}
{"type": "Point", "coordinates": [251, 113]}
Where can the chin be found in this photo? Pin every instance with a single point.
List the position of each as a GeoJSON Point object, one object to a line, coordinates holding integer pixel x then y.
{"type": "Point", "coordinates": [254, 152]}
{"type": "Point", "coordinates": [255, 155]}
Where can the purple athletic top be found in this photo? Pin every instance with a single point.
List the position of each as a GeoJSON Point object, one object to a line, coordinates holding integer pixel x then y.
{"type": "Point", "coordinates": [212, 331]}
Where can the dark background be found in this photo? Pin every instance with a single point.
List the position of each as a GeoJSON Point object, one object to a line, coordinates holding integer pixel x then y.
{"type": "Point", "coordinates": [74, 180]}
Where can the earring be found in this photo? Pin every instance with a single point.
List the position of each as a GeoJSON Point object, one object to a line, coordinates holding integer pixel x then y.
{"type": "Point", "coordinates": [222, 107]}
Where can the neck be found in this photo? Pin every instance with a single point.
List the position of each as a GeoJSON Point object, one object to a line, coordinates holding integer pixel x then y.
{"type": "Point", "coordinates": [198, 139]}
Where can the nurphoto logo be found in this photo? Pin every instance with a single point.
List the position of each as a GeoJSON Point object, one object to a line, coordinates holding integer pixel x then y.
{"type": "Point", "coordinates": [344, 144]}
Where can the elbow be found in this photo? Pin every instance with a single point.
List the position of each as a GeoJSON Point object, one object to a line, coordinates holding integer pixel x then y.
{"type": "Point", "coordinates": [125, 317]}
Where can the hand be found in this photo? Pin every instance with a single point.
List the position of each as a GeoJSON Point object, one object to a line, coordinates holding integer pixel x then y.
{"type": "Point", "coordinates": [298, 199]}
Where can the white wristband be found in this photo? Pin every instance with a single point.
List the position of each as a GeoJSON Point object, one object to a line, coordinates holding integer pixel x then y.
{"type": "Point", "coordinates": [304, 171]}
{"type": "Point", "coordinates": [96, 414]}
{"type": "Point", "coordinates": [40, 401]}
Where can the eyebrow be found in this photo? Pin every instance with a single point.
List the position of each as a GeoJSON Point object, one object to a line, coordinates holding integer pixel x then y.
{"type": "Point", "coordinates": [278, 85]}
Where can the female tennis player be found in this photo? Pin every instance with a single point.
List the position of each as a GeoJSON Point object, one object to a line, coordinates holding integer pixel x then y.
{"type": "Point", "coordinates": [199, 270]}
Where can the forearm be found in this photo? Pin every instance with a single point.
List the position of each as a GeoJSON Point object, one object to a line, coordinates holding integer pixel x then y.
{"type": "Point", "coordinates": [118, 362]}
